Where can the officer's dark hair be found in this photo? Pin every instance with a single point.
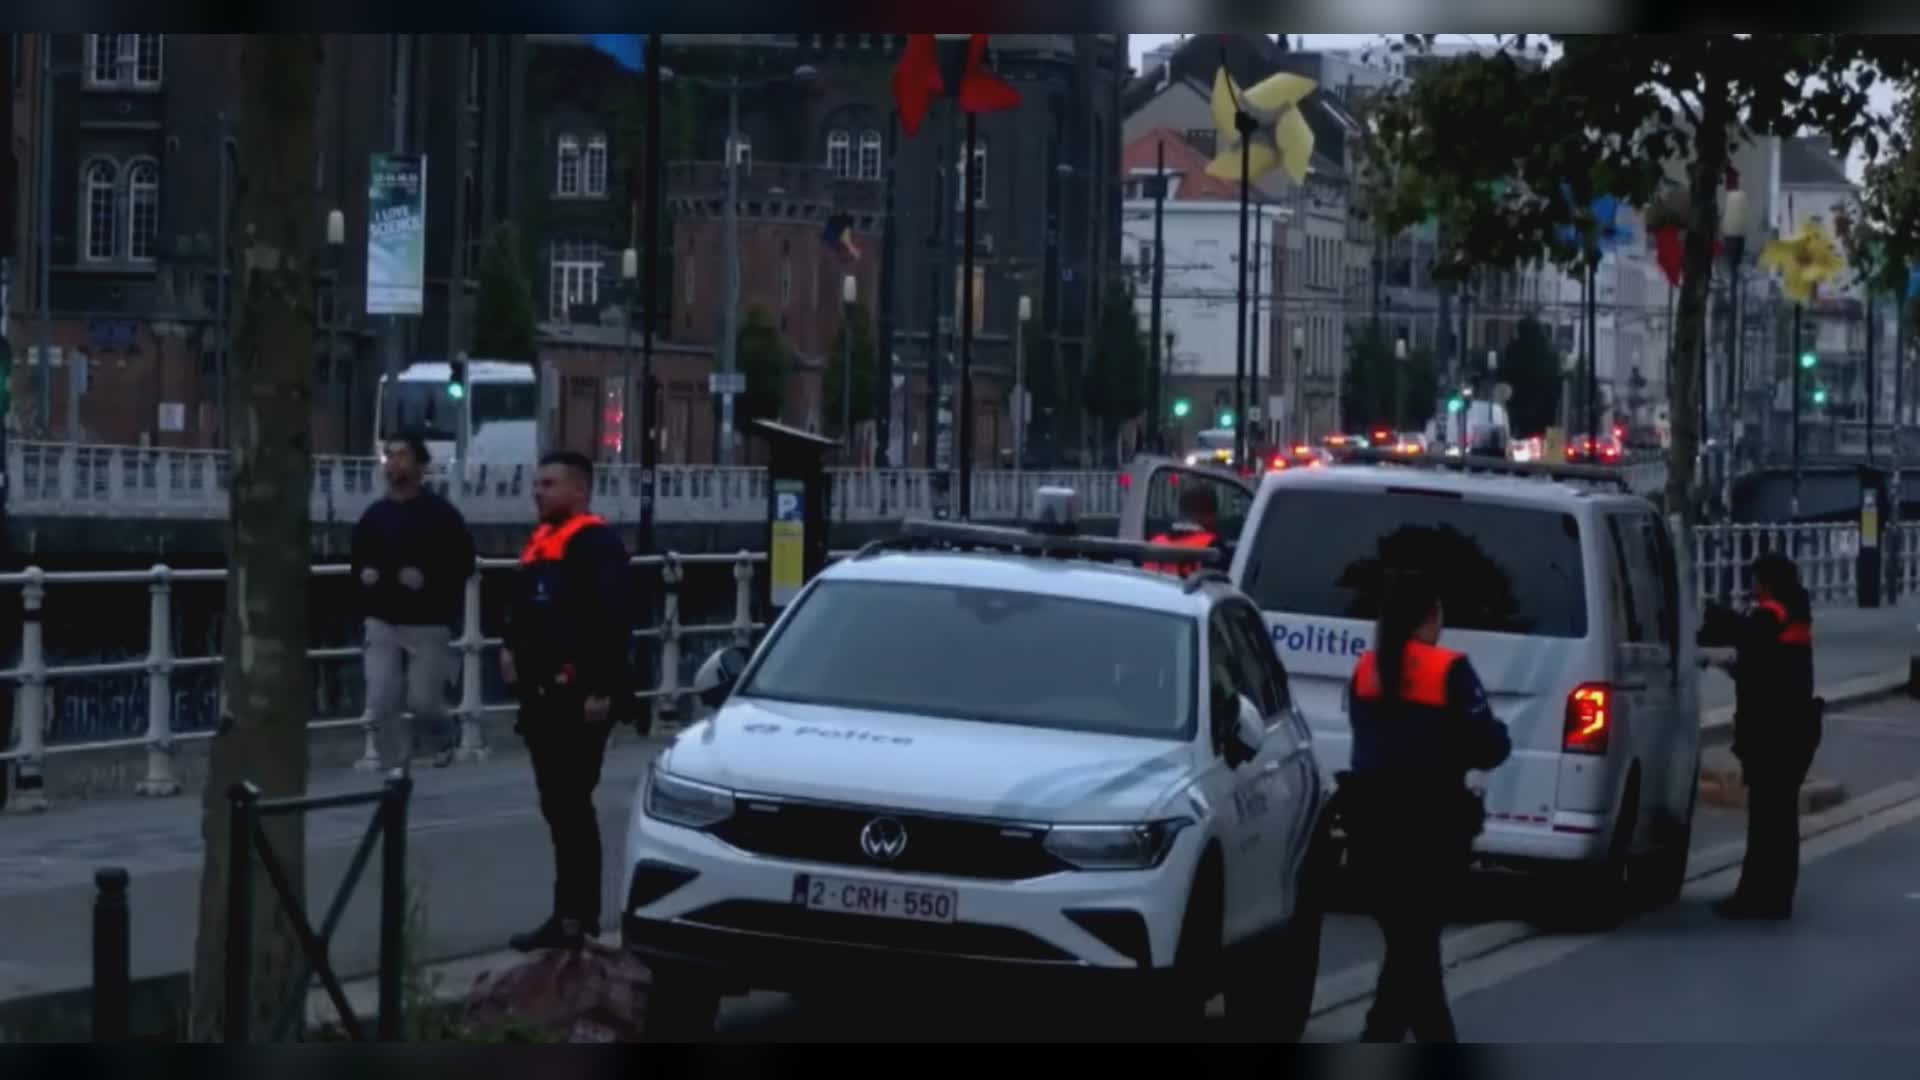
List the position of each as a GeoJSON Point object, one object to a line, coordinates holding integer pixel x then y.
{"type": "Point", "coordinates": [415, 445]}
{"type": "Point", "coordinates": [1781, 577]}
{"type": "Point", "coordinates": [578, 463]}
{"type": "Point", "coordinates": [1407, 598]}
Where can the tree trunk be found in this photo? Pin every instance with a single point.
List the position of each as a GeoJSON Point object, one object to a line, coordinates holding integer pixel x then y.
{"type": "Point", "coordinates": [1703, 179]}
{"type": "Point", "coordinates": [267, 681]}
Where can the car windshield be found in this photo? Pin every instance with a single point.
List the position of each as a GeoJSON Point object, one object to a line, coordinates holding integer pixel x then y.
{"type": "Point", "coordinates": [1502, 569]}
{"type": "Point", "coordinates": [987, 655]}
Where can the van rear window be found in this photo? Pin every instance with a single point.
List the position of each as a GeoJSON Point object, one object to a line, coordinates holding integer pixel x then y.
{"type": "Point", "coordinates": [1502, 569]}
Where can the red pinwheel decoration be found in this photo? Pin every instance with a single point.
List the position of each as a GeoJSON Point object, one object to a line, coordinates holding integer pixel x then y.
{"type": "Point", "coordinates": [917, 81]}
{"type": "Point", "coordinates": [1670, 250]}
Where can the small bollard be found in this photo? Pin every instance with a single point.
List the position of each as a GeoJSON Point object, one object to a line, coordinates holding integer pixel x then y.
{"type": "Point", "coordinates": [112, 956]}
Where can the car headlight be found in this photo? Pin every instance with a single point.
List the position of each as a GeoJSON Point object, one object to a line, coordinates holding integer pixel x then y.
{"type": "Point", "coordinates": [1115, 847]}
{"type": "Point", "coordinates": [685, 803]}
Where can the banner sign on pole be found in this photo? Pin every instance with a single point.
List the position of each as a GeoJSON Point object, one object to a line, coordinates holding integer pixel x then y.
{"type": "Point", "coordinates": [396, 234]}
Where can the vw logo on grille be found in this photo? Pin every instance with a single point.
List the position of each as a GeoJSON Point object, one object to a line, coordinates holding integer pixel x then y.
{"type": "Point", "coordinates": [883, 839]}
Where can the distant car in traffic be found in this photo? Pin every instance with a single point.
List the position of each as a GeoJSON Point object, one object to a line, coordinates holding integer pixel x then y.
{"type": "Point", "coordinates": [998, 755]}
{"type": "Point", "coordinates": [1586, 450]}
{"type": "Point", "coordinates": [1565, 595]}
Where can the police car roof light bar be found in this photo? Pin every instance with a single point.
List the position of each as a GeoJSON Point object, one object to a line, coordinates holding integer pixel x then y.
{"type": "Point", "coordinates": [923, 534]}
{"type": "Point", "coordinates": [1198, 578]}
{"type": "Point", "coordinates": [1591, 474]}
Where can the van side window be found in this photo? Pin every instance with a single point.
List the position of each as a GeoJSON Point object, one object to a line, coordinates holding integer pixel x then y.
{"type": "Point", "coordinates": [1223, 690]}
{"type": "Point", "coordinates": [1646, 586]}
{"type": "Point", "coordinates": [1626, 610]}
{"type": "Point", "coordinates": [1665, 579]}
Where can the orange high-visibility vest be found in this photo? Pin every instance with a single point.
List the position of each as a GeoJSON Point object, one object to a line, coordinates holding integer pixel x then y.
{"type": "Point", "coordinates": [1191, 540]}
{"type": "Point", "coordinates": [1423, 675]}
{"type": "Point", "coordinates": [1791, 633]}
{"type": "Point", "coordinates": [549, 543]}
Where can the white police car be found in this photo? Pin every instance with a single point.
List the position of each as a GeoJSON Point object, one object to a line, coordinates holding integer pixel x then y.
{"type": "Point", "coordinates": [1564, 592]}
{"type": "Point", "coordinates": [996, 757]}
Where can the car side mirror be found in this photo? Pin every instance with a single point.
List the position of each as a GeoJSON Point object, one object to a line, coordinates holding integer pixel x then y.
{"type": "Point", "coordinates": [715, 680]}
{"type": "Point", "coordinates": [1247, 735]}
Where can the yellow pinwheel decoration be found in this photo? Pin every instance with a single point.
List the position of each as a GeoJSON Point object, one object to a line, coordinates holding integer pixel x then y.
{"type": "Point", "coordinates": [1805, 262]}
{"type": "Point", "coordinates": [1281, 137]}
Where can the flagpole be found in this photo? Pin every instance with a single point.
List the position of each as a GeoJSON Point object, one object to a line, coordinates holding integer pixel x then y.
{"type": "Point", "coordinates": [883, 407]}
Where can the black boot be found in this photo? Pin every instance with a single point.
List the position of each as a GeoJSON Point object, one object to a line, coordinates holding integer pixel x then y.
{"type": "Point", "coordinates": [555, 933]}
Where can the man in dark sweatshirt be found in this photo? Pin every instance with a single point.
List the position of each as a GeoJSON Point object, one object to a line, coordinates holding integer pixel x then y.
{"type": "Point", "coordinates": [412, 556]}
{"type": "Point", "coordinates": [568, 635]}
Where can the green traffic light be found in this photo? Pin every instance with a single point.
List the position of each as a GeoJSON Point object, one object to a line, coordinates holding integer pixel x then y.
{"type": "Point", "coordinates": [1181, 406]}
{"type": "Point", "coordinates": [1819, 397]}
{"type": "Point", "coordinates": [456, 390]}
{"type": "Point", "coordinates": [1808, 359]}
{"type": "Point", "coordinates": [1455, 404]}
{"type": "Point", "coordinates": [1226, 419]}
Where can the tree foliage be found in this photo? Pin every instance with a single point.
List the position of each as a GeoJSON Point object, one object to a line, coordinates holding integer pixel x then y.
{"type": "Point", "coordinates": [1505, 151]}
{"type": "Point", "coordinates": [1882, 239]}
{"type": "Point", "coordinates": [1367, 394]}
{"type": "Point", "coordinates": [1116, 381]}
{"type": "Point", "coordinates": [506, 324]}
{"type": "Point", "coordinates": [1534, 368]}
{"type": "Point", "coordinates": [857, 326]}
{"type": "Point", "coordinates": [266, 680]}
{"type": "Point", "coordinates": [760, 353]}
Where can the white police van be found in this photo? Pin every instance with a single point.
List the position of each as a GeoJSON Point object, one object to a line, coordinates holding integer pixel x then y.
{"type": "Point", "coordinates": [977, 756]}
{"type": "Point", "coordinates": [1565, 595]}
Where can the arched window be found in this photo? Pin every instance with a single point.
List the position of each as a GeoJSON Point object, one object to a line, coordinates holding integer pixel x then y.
{"type": "Point", "coordinates": [566, 180]}
{"type": "Point", "coordinates": [102, 223]}
{"type": "Point", "coordinates": [839, 153]}
{"type": "Point", "coordinates": [596, 178]}
{"type": "Point", "coordinates": [143, 210]}
{"type": "Point", "coordinates": [870, 152]}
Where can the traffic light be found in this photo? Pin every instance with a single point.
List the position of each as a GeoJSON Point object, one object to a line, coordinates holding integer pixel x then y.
{"type": "Point", "coordinates": [1181, 407]}
{"type": "Point", "coordinates": [1456, 403]}
{"type": "Point", "coordinates": [1820, 395]}
{"type": "Point", "coordinates": [457, 380]}
{"type": "Point", "coordinates": [1808, 360]}
{"type": "Point", "coordinates": [1226, 418]}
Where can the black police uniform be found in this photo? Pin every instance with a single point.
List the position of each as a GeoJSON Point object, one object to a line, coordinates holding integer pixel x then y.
{"type": "Point", "coordinates": [1776, 731]}
{"type": "Point", "coordinates": [570, 628]}
{"type": "Point", "coordinates": [1411, 820]}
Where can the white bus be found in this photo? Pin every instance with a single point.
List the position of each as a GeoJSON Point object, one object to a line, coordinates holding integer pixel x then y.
{"type": "Point", "coordinates": [503, 403]}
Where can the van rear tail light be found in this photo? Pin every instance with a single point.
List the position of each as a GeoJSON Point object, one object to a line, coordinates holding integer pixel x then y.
{"type": "Point", "coordinates": [1589, 719]}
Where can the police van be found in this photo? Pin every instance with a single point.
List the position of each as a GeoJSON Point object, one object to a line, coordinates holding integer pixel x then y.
{"type": "Point", "coordinates": [1564, 591]}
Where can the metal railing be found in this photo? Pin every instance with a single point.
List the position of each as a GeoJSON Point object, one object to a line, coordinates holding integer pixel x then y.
{"type": "Point", "coordinates": [121, 482]}
{"type": "Point", "coordinates": [1719, 555]}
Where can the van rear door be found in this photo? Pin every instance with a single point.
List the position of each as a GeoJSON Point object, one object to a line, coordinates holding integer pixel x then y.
{"type": "Point", "coordinates": [1513, 598]}
{"type": "Point", "coordinates": [1151, 502]}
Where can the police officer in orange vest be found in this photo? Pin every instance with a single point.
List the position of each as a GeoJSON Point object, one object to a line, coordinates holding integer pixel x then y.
{"type": "Point", "coordinates": [1776, 729]}
{"type": "Point", "coordinates": [1420, 723]}
{"type": "Point", "coordinates": [1199, 514]}
{"type": "Point", "coordinates": [567, 641]}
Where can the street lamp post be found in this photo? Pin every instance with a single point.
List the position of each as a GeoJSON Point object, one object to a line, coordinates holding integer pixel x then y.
{"type": "Point", "coordinates": [1399, 401]}
{"type": "Point", "coordinates": [629, 278]}
{"type": "Point", "coordinates": [849, 295]}
{"type": "Point", "coordinates": [1299, 383]}
{"type": "Point", "coordinates": [727, 377]}
{"type": "Point", "coordinates": [336, 244]}
{"type": "Point", "coordinates": [1733, 229]}
{"type": "Point", "coordinates": [1020, 384]}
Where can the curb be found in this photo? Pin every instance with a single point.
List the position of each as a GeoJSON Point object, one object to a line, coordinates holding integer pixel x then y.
{"type": "Point", "coordinates": [1356, 984]}
{"type": "Point", "coordinates": [1725, 789]}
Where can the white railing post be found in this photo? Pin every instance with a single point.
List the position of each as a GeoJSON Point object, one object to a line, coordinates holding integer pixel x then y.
{"type": "Point", "coordinates": [160, 780]}
{"type": "Point", "coordinates": [472, 645]}
{"type": "Point", "coordinates": [666, 704]}
{"type": "Point", "coordinates": [743, 600]}
{"type": "Point", "coordinates": [370, 738]}
{"type": "Point", "coordinates": [28, 792]}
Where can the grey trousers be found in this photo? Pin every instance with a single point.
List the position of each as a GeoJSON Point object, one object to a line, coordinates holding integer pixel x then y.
{"type": "Point", "coordinates": [407, 668]}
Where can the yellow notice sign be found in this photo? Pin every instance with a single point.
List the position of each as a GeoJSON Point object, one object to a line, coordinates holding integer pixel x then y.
{"type": "Point", "coordinates": [787, 544]}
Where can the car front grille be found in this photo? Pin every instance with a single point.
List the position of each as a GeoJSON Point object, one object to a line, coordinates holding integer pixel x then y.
{"type": "Point", "coordinates": [954, 847]}
{"type": "Point", "coordinates": [945, 939]}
